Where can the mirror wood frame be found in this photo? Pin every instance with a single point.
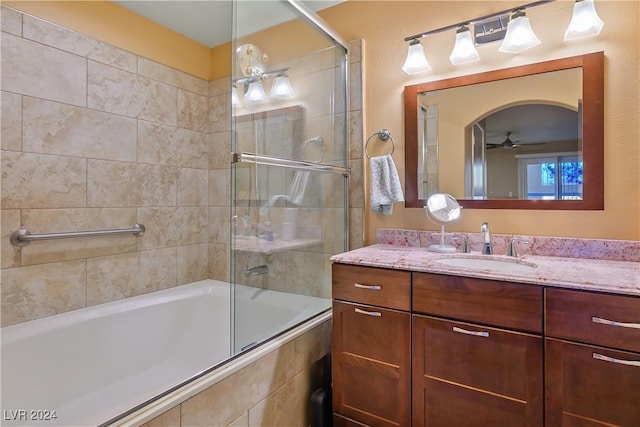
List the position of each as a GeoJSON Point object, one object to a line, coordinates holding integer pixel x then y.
{"type": "Point", "coordinates": [592, 129]}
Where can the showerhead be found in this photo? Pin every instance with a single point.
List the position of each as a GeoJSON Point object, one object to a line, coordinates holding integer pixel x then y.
{"type": "Point", "coordinates": [315, 140]}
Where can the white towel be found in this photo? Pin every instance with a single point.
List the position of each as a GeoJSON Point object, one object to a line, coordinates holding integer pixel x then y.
{"type": "Point", "coordinates": [384, 188]}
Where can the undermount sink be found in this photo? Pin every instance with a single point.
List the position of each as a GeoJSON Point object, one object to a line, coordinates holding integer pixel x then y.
{"type": "Point", "coordinates": [496, 264]}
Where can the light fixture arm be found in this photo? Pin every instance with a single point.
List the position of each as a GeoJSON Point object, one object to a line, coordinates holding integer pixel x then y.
{"type": "Point", "coordinates": [478, 19]}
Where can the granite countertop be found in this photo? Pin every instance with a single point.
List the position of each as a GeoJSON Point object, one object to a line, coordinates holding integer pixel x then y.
{"type": "Point", "coordinates": [621, 277]}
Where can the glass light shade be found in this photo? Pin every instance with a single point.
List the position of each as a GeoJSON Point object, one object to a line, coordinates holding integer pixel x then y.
{"type": "Point", "coordinates": [464, 50]}
{"type": "Point", "coordinates": [255, 92]}
{"type": "Point", "coordinates": [282, 87]}
{"type": "Point", "coordinates": [416, 61]}
{"type": "Point", "coordinates": [520, 36]}
{"type": "Point", "coordinates": [235, 100]}
{"type": "Point", "coordinates": [585, 21]}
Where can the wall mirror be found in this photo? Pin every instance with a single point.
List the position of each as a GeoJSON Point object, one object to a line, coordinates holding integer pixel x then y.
{"type": "Point", "coordinates": [527, 137]}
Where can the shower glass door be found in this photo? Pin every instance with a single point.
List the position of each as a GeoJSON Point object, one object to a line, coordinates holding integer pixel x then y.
{"type": "Point", "coordinates": [289, 182]}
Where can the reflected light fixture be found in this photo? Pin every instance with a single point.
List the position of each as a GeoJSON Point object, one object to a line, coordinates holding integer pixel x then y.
{"type": "Point", "coordinates": [235, 99]}
{"type": "Point", "coordinates": [520, 35]}
{"type": "Point", "coordinates": [282, 87]}
{"type": "Point", "coordinates": [464, 50]}
{"type": "Point", "coordinates": [255, 91]}
{"type": "Point", "coordinates": [585, 21]}
{"type": "Point", "coordinates": [416, 61]}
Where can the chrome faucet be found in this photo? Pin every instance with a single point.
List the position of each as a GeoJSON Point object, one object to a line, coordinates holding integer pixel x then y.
{"type": "Point", "coordinates": [245, 223]}
{"type": "Point", "coordinates": [511, 247]}
{"type": "Point", "coordinates": [487, 247]}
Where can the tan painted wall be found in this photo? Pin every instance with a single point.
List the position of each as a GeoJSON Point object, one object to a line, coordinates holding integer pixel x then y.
{"type": "Point", "coordinates": [384, 25]}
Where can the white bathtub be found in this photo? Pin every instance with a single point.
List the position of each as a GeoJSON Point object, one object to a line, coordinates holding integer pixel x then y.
{"type": "Point", "coordinates": [91, 365]}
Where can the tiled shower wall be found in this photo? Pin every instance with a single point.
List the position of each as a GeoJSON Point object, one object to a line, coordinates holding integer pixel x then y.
{"type": "Point", "coordinates": [94, 137]}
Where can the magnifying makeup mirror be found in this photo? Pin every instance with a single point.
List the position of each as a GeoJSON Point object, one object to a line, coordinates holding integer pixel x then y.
{"type": "Point", "coordinates": [442, 209]}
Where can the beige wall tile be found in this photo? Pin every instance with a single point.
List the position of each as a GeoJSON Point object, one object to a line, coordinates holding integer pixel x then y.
{"type": "Point", "coordinates": [159, 185]}
{"type": "Point", "coordinates": [172, 76]}
{"type": "Point", "coordinates": [193, 263]}
{"type": "Point", "coordinates": [219, 187]}
{"type": "Point", "coordinates": [193, 223]}
{"type": "Point", "coordinates": [171, 418]}
{"type": "Point", "coordinates": [193, 149]}
{"type": "Point", "coordinates": [220, 150]}
{"type": "Point", "coordinates": [287, 406]}
{"type": "Point", "coordinates": [241, 421]}
{"type": "Point", "coordinates": [38, 291]}
{"type": "Point", "coordinates": [309, 273]}
{"type": "Point", "coordinates": [55, 128]}
{"type": "Point", "coordinates": [11, 120]}
{"type": "Point", "coordinates": [219, 113]}
{"type": "Point", "coordinates": [161, 227]}
{"type": "Point", "coordinates": [159, 268]}
{"type": "Point", "coordinates": [116, 91]}
{"type": "Point", "coordinates": [168, 145]}
{"type": "Point", "coordinates": [219, 225]}
{"type": "Point", "coordinates": [355, 50]}
{"type": "Point", "coordinates": [356, 135]}
{"type": "Point", "coordinates": [11, 21]}
{"type": "Point", "coordinates": [79, 44]}
{"type": "Point", "coordinates": [34, 69]}
{"type": "Point", "coordinates": [45, 221]}
{"type": "Point", "coordinates": [356, 228]}
{"type": "Point", "coordinates": [115, 277]}
{"type": "Point", "coordinates": [356, 184]}
{"type": "Point", "coordinates": [193, 111]}
{"type": "Point", "coordinates": [42, 181]}
{"type": "Point", "coordinates": [219, 262]}
{"type": "Point", "coordinates": [355, 86]}
{"type": "Point", "coordinates": [313, 346]}
{"type": "Point", "coordinates": [10, 222]}
{"type": "Point", "coordinates": [229, 399]}
{"type": "Point", "coordinates": [193, 187]}
{"type": "Point", "coordinates": [220, 87]}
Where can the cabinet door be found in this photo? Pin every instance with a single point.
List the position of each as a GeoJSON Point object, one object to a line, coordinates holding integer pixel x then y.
{"type": "Point", "coordinates": [466, 375]}
{"type": "Point", "coordinates": [590, 386]}
{"type": "Point", "coordinates": [371, 364]}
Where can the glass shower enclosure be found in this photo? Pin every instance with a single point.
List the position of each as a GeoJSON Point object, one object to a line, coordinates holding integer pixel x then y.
{"type": "Point", "coordinates": [289, 173]}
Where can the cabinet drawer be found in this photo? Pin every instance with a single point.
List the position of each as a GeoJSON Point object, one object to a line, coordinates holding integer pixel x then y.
{"type": "Point", "coordinates": [490, 302]}
{"type": "Point", "coordinates": [591, 383]}
{"type": "Point", "coordinates": [602, 319]}
{"type": "Point", "coordinates": [374, 286]}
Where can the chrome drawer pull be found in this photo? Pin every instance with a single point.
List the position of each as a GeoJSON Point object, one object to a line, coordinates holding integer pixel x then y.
{"type": "Point", "coordinates": [370, 287]}
{"type": "Point", "coordinates": [611, 359]}
{"type": "Point", "coordinates": [475, 334]}
{"type": "Point", "coordinates": [369, 313]}
{"type": "Point", "coordinates": [614, 323]}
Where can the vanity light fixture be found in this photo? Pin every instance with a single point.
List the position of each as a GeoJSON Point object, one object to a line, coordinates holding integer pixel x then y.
{"type": "Point", "coordinates": [585, 21]}
{"type": "Point", "coordinates": [520, 35]}
{"type": "Point", "coordinates": [255, 91]}
{"type": "Point", "coordinates": [235, 99]}
{"type": "Point", "coordinates": [512, 26]}
{"type": "Point", "coordinates": [282, 87]}
{"type": "Point", "coordinates": [464, 50]}
{"type": "Point", "coordinates": [416, 61]}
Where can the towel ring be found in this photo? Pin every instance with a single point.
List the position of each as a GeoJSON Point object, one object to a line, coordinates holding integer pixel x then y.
{"type": "Point", "coordinates": [384, 135]}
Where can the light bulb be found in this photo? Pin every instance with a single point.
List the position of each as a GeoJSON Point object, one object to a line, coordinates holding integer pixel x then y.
{"type": "Point", "coordinates": [416, 61]}
{"type": "Point", "coordinates": [585, 21]}
{"type": "Point", "coordinates": [463, 51]}
{"type": "Point", "coordinates": [255, 92]}
{"type": "Point", "coordinates": [520, 35]}
{"type": "Point", "coordinates": [282, 87]}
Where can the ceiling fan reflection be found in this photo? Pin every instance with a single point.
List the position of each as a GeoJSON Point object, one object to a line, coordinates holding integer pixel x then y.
{"type": "Point", "coordinates": [508, 143]}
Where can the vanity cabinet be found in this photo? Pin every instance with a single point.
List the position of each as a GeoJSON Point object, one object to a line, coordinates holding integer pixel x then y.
{"type": "Point", "coordinates": [371, 346]}
{"type": "Point", "coordinates": [592, 357]}
{"type": "Point", "coordinates": [465, 372]}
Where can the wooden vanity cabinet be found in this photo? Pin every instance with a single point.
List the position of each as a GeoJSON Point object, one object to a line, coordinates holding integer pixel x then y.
{"type": "Point", "coordinates": [470, 374]}
{"type": "Point", "coordinates": [371, 346]}
{"type": "Point", "coordinates": [592, 358]}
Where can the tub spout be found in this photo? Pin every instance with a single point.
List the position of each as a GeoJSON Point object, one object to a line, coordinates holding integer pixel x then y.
{"type": "Point", "coordinates": [257, 270]}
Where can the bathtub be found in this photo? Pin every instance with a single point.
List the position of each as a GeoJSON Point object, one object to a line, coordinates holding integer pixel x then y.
{"type": "Point", "coordinates": [89, 366]}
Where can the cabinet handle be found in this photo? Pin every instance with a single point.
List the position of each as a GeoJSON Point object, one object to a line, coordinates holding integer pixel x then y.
{"type": "Point", "coordinates": [370, 287]}
{"type": "Point", "coordinates": [611, 359]}
{"type": "Point", "coordinates": [369, 313]}
{"type": "Point", "coordinates": [614, 323]}
{"type": "Point", "coordinates": [475, 334]}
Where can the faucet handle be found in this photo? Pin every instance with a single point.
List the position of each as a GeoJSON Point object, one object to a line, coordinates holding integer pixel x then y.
{"type": "Point", "coordinates": [511, 247]}
{"type": "Point", "coordinates": [464, 248]}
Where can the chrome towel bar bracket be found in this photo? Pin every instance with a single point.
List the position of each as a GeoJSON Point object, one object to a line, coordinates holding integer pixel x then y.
{"type": "Point", "coordinates": [22, 237]}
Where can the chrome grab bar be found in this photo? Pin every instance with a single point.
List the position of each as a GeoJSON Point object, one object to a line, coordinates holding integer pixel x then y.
{"type": "Point", "coordinates": [614, 360]}
{"type": "Point", "coordinates": [370, 287]}
{"type": "Point", "coordinates": [22, 237]}
{"type": "Point", "coordinates": [474, 333]}
{"type": "Point", "coordinates": [614, 323]}
{"type": "Point", "coordinates": [368, 313]}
